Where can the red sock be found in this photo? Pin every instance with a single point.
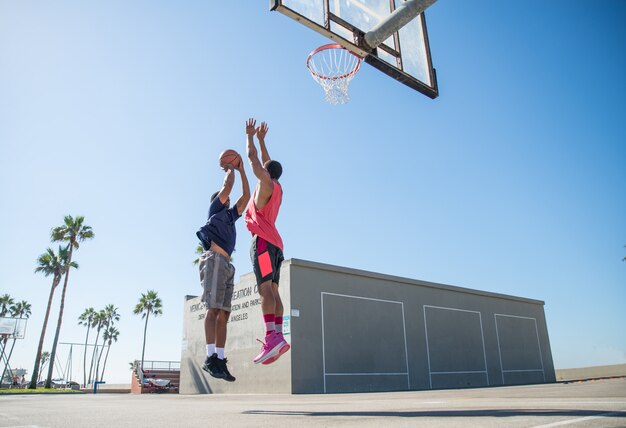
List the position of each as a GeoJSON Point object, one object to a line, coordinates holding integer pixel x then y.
{"type": "Point", "coordinates": [279, 324]}
{"type": "Point", "coordinates": [270, 325]}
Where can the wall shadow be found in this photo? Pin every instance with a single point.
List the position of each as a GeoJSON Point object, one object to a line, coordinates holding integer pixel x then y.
{"type": "Point", "coordinates": [501, 413]}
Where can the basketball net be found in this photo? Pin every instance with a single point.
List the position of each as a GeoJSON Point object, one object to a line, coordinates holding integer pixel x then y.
{"type": "Point", "coordinates": [333, 67]}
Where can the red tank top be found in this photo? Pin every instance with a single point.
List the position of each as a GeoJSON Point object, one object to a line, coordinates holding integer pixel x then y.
{"type": "Point", "coordinates": [263, 222]}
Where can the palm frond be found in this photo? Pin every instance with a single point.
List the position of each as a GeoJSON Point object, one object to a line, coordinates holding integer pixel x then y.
{"type": "Point", "coordinates": [199, 251]}
{"type": "Point", "coordinates": [20, 309]}
{"type": "Point", "coordinates": [149, 303]}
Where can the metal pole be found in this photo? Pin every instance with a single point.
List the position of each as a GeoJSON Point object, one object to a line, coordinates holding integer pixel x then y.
{"type": "Point", "coordinates": [70, 361]}
{"type": "Point", "coordinates": [95, 386]}
{"type": "Point", "coordinates": [398, 19]}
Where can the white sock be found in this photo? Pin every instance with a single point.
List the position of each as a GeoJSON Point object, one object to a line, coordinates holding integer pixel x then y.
{"type": "Point", "coordinates": [210, 349]}
{"type": "Point", "coordinates": [220, 353]}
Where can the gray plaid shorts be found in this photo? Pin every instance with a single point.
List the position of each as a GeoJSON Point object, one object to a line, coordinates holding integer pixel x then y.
{"type": "Point", "coordinates": [217, 277]}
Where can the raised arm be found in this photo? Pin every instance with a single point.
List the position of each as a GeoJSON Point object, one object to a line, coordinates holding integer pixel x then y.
{"type": "Point", "coordinates": [253, 157]}
{"type": "Point", "coordinates": [261, 132]}
{"type": "Point", "coordinates": [227, 186]}
{"type": "Point", "coordinates": [245, 189]}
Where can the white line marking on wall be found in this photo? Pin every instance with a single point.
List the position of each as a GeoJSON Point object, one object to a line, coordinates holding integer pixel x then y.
{"type": "Point", "coordinates": [367, 374]}
{"type": "Point", "coordinates": [503, 370]}
{"type": "Point", "coordinates": [499, 351]}
{"type": "Point", "coordinates": [406, 352]}
{"type": "Point", "coordinates": [323, 342]}
{"type": "Point", "coordinates": [430, 373]}
{"type": "Point", "coordinates": [482, 336]}
{"type": "Point", "coordinates": [360, 297]}
{"type": "Point", "coordinates": [529, 370]}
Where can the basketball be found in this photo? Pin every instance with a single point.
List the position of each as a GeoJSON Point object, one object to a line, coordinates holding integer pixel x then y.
{"type": "Point", "coordinates": [229, 156]}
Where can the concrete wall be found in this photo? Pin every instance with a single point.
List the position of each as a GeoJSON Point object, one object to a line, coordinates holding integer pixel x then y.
{"type": "Point", "coordinates": [356, 331]}
{"type": "Point", "coordinates": [595, 372]}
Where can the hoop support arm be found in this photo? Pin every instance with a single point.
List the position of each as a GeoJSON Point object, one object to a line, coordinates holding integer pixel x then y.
{"type": "Point", "coordinates": [398, 19]}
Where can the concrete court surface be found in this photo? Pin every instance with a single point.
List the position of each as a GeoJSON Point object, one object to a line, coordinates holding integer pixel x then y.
{"type": "Point", "coordinates": [599, 403]}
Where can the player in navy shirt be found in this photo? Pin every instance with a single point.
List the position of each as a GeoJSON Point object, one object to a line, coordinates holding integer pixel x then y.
{"type": "Point", "coordinates": [217, 274]}
{"type": "Point", "coordinates": [220, 226]}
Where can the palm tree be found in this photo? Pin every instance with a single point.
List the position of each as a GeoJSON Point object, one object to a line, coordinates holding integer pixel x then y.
{"type": "Point", "coordinates": [18, 310]}
{"type": "Point", "coordinates": [98, 322]}
{"type": "Point", "coordinates": [53, 264]}
{"type": "Point", "coordinates": [73, 231]}
{"type": "Point", "coordinates": [199, 251]}
{"type": "Point", "coordinates": [45, 356]}
{"type": "Point", "coordinates": [21, 309]}
{"type": "Point", "coordinates": [5, 304]}
{"type": "Point", "coordinates": [86, 319]}
{"type": "Point", "coordinates": [110, 315]}
{"type": "Point", "coordinates": [110, 335]}
{"type": "Point", "coordinates": [149, 303]}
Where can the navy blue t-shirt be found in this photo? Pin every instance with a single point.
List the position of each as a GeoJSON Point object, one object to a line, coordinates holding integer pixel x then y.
{"type": "Point", "coordinates": [220, 227]}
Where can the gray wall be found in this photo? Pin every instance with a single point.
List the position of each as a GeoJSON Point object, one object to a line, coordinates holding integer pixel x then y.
{"type": "Point", "coordinates": [356, 331]}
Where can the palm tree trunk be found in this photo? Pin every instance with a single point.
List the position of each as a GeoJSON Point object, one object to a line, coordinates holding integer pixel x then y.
{"type": "Point", "coordinates": [144, 340]}
{"type": "Point", "coordinates": [93, 354]}
{"type": "Point", "coordinates": [100, 357]}
{"type": "Point", "coordinates": [104, 366]}
{"type": "Point", "coordinates": [85, 357]}
{"type": "Point", "coordinates": [60, 321]}
{"type": "Point", "coordinates": [41, 371]}
{"type": "Point", "coordinates": [35, 375]}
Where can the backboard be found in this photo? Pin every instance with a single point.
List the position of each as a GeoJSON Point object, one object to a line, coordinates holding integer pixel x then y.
{"type": "Point", "coordinates": [404, 56]}
{"type": "Point", "coordinates": [13, 327]}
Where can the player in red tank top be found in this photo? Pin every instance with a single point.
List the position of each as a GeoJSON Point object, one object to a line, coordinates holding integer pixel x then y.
{"type": "Point", "coordinates": [266, 251]}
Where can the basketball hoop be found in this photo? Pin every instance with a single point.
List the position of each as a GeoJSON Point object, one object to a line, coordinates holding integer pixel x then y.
{"type": "Point", "coordinates": [333, 67]}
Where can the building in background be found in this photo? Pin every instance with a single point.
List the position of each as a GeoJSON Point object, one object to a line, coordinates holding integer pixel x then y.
{"type": "Point", "coordinates": [357, 331]}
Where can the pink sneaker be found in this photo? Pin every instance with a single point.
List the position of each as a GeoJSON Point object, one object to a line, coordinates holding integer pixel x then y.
{"type": "Point", "coordinates": [284, 347]}
{"type": "Point", "coordinates": [270, 348]}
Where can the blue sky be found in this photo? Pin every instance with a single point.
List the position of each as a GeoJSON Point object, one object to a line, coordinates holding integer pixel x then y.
{"type": "Point", "coordinates": [512, 181]}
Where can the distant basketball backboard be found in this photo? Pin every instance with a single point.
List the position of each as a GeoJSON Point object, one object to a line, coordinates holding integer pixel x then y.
{"type": "Point", "coordinates": [405, 55]}
{"type": "Point", "coordinates": [13, 327]}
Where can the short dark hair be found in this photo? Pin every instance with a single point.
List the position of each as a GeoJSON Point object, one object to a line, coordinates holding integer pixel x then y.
{"type": "Point", "coordinates": [275, 169]}
{"type": "Point", "coordinates": [214, 195]}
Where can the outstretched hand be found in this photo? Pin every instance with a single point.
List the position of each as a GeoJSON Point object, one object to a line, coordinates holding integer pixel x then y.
{"type": "Point", "coordinates": [261, 131]}
{"type": "Point", "coordinates": [250, 124]}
